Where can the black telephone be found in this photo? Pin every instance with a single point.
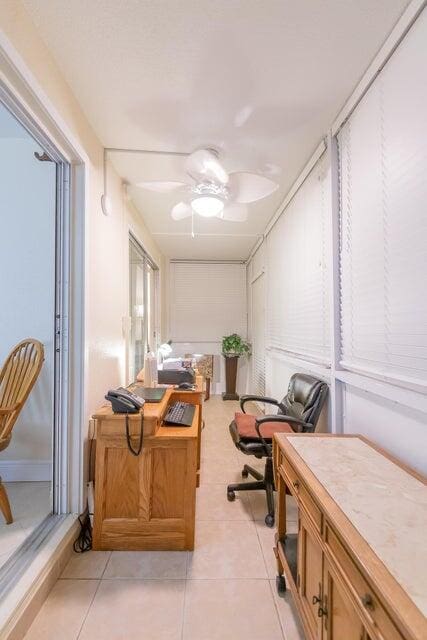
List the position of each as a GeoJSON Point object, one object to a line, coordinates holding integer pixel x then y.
{"type": "Point", "coordinates": [123, 401]}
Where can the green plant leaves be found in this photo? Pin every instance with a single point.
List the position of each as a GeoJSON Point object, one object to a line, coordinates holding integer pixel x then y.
{"type": "Point", "coordinates": [234, 345]}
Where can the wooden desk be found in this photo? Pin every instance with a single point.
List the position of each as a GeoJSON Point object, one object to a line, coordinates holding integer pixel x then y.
{"type": "Point", "coordinates": [357, 567]}
{"type": "Point", "coordinates": [147, 502]}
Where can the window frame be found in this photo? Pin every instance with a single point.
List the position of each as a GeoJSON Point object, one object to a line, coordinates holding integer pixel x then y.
{"type": "Point", "coordinates": [147, 262]}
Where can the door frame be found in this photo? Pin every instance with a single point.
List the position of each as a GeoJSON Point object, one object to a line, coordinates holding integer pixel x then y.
{"type": "Point", "coordinates": [38, 559]}
{"type": "Point", "coordinates": [60, 330]}
{"type": "Point", "coordinates": [69, 407]}
{"type": "Point", "coordinates": [60, 321]}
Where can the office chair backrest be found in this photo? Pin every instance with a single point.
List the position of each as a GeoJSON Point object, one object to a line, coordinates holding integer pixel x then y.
{"type": "Point", "coordinates": [305, 398]}
{"type": "Point", "coordinates": [17, 378]}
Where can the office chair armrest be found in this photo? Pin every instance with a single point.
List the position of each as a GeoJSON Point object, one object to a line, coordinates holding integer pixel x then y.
{"type": "Point", "coordinates": [282, 418]}
{"type": "Point", "coordinates": [279, 418]}
{"type": "Point", "coordinates": [245, 399]}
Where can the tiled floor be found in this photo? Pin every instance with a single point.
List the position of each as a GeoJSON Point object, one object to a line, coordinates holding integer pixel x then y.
{"type": "Point", "coordinates": [30, 503]}
{"type": "Point", "coordinates": [223, 590]}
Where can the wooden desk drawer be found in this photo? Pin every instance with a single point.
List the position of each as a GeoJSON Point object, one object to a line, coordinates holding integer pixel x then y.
{"type": "Point", "coordinates": [382, 627]}
{"type": "Point", "coordinates": [290, 475]}
{"type": "Point", "coordinates": [301, 494]}
{"type": "Point", "coordinates": [310, 507]}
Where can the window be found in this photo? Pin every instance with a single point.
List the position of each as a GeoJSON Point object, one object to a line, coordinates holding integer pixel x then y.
{"type": "Point", "coordinates": [297, 261]}
{"type": "Point", "coordinates": [383, 224]}
{"type": "Point", "coordinates": [258, 334]}
{"type": "Point", "coordinates": [143, 300]}
{"type": "Point", "coordinates": [208, 301]}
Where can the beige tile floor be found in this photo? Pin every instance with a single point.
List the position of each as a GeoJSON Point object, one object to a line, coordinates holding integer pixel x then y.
{"type": "Point", "coordinates": [223, 590]}
{"type": "Point", "coordinates": [30, 503]}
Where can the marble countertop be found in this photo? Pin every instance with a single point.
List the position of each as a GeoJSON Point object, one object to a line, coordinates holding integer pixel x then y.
{"type": "Point", "coordinates": [386, 504]}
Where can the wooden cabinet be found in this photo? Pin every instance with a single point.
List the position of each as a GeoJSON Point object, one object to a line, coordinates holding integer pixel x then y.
{"type": "Point", "coordinates": [310, 560]}
{"type": "Point", "coordinates": [339, 617]}
{"type": "Point", "coordinates": [341, 567]}
{"type": "Point", "coordinates": [147, 502]}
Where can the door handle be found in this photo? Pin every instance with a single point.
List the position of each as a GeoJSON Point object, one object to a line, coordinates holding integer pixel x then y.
{"type": "Point", "coordinates": [322, 612]}
{"type": "Point", "coordinates": [367, 601]}
{"type": "Point", "coordinates": [318, 598]}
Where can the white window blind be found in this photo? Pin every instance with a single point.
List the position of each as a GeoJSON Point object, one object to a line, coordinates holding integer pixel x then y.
{"type": "Point", "coordinates": [258, 335]}
{"type": "Point", "coordinates": [207, 301]}
{"type": "Point", "coordinates": [383, 220]}
{"type": "Point", "coordinates": [298, 280]}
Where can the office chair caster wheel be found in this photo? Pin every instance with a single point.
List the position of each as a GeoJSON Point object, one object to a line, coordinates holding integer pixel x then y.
{"type": "Point", "coordinates": [231, 496]}
{"type": "Point", "coordinates": [269, 520]}
{"type": "Point", "coordinates": [281, 585]}
{"type": "Point", "coordinates": [245, 473]}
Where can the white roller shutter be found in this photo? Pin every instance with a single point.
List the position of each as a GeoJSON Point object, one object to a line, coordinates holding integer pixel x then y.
{"type": "Point", "coordinates": [207, 301]}
{"type": "Point", "coordinates": [383, 221]}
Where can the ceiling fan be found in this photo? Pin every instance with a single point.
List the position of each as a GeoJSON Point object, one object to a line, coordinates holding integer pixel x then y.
{"type": "Point", "coordinates": [211, 191]}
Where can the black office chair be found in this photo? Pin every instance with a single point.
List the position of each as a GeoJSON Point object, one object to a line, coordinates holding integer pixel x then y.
{"type": "Point", "coordinates": [298, 412]}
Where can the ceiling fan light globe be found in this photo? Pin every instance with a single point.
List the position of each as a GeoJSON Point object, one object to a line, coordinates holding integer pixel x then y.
{"type": "Point", "coordinates": [207, 206]}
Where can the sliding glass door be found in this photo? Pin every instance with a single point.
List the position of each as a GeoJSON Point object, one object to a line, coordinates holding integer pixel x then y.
{"type": "Point", "coordinates": [32, 273]}
{"type": "Point", "coordinates": [143, 300]}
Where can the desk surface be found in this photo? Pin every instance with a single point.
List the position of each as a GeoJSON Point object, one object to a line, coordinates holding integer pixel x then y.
{"type": "Point", "coordinates": [153, 410]}
{"type": "Point", "coordinates": [385, 503]}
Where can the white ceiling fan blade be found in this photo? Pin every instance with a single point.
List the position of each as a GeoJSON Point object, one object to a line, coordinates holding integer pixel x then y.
{"type": "Point", "coordinates": [181, 211]}
{"type": "Point", "coordinates": [161, 187]}
{"type": "Point", "coordinates": [248, 187]}
{"type": "Point", "coordinates": [234, 213]}
{"type": "Point", "coordinates": [204, 163]}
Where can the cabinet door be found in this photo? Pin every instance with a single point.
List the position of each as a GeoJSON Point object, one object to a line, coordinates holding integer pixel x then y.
{"type": "Point", "coordinates": [339, 615]}
{"type": "Point", "coordinates": [310, 573]}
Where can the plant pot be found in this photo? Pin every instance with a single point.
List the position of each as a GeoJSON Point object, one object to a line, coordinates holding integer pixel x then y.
{"type": "Point", "coordinates": [230, 378]}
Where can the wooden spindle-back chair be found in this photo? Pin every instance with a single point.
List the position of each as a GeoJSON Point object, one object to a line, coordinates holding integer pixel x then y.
{"type": "Point", "coordinates": [17, 378]}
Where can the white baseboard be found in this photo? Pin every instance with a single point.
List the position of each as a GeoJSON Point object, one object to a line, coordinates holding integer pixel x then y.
{"type": "Point", "coordinates": [25, 470]}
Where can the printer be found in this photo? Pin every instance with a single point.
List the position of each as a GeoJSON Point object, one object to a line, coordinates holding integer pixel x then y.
{"type": "Point", "coordinates": [176, 371]}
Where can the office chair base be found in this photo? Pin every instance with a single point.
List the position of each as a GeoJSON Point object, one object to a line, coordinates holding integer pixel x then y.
{"type": "Point", "coordinates": [269, 520]}
{"type": "Point", "coordinates": [253, 472]}
{"type": "Point", "coordinates": [262, 483]}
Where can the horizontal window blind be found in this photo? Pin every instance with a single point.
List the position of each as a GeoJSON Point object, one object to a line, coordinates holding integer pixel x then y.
{"type": "Point", "coordinates": [383, 220]}
{"type": "Point", "coordinates": [298, 271]}
{"type": "Point", "coordinates": [207, 301]}
{"type": "Point", "coordinates": [258, 335]}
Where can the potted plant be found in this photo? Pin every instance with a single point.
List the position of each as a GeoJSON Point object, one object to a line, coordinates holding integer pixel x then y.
{"type": "Point", "coordinates": [233, 347]}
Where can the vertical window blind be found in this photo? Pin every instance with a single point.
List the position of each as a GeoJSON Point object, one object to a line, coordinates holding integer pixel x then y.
{"type": "Point", "coordinates": [207, 301]}
{"type": "Point", "coordinates": [383, 220]}
{"type": "Point", "coordinates": [298, 271]}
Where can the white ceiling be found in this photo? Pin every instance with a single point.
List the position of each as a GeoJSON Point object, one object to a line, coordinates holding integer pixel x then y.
{"type": "Point", "coordinates": [260, 80]}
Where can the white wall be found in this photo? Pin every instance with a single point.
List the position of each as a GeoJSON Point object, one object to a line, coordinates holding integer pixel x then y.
{"type": "Point", "coordinates": [106, 238]}
{"type": "Point", "coordinates": [393, 415]}
{"type": "Point", "coordinates": [27, 285]}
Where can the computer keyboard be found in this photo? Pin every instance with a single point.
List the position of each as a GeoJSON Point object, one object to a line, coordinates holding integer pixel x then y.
{"type": "Point", "coordinates": [179, 414]}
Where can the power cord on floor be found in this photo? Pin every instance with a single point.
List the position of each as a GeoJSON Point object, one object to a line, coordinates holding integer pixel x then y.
{"type": "Point", "coordinates": [83, 541]}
